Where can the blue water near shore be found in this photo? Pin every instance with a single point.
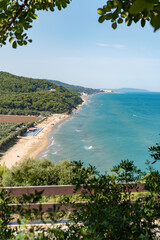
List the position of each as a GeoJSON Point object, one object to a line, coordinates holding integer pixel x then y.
{"type": "Point", "coordinates": [110, 128]}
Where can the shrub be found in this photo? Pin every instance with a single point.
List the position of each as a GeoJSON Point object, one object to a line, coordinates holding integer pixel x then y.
{"type": "Point", "coordinates": [35, 172]}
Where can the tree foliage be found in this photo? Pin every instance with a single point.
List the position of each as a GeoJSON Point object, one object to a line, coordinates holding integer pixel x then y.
{"type": "Point", "coordinates": [129, 11]}
{"type": "Point", "coordinates": [155, 152]}
{"type": "Point", "coordinates": [35, 172]}
{"type": "Point", "coordinates": [27, 96]}
{"type": "Point", "coordinates": [16, 17]}
{"type": "Point", "coordinates": [14, 133]}
{"type": "Point", "coordinates": [109, 213]}
{"type": "Point", "coordinates": [77, 89]}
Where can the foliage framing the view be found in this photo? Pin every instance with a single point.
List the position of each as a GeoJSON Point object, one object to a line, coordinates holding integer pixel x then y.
{"type": "Point", "coordinates": [109, 213]}
{"type": "Point", "coordinates": [128, 11]}
{"type": "Point", "coordinates": [16, 17]}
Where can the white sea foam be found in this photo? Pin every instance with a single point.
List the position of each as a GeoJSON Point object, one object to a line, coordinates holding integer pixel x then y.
{"type": "Point", "coordinates": [44, 155]}
{"type": "Point", "coordinates": [54, 153]}
{"type": "Point", "coordinates": [51, 143]}
{"type": "Point", "coordinates": [88, 148]}
{"type": "Point", "coordinates": [77, 130]}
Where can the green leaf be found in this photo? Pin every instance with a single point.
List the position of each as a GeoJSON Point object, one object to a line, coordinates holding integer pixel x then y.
{"type": "Point", "coordinates": [140, 5]}
{"type": "Point", "coordinates": [129, 21]}
{"type": "Point", "coordinates": [11, 40]}
{"type": "Point", "coordinates": [108, 16]}
{"type": "Point", "coordinates": [100, 11]}
{"type": "Point", "coordinates": [34, 16]}
{"type": "Point", "coordinates": [143, 22]}
{"type": "Point", "coordinates": [14, 45]}
{"type": "Point", "coordinates": [101, 19]}
{"type": "Point", "coordinates": [120, 20]}
{"type": "Point", "coordinates": [137, 17]}
{"type": "Point", "coordinates": [124, 14]}
{"type": "Point", "coordinates": [155, 21]}
{"type": "Point", "coordinates": [20, 43]}
{"type": "Point", "coordinates": [114, 25]}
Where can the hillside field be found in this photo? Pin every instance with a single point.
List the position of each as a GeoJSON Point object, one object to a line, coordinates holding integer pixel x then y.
{"type": "Point", "coordinates": [18, 119]}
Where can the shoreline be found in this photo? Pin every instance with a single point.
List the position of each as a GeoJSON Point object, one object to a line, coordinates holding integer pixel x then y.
{"type": "Point", "coordinates": [32, 146]}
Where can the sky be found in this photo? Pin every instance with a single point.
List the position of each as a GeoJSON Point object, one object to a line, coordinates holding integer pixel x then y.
{"type": "Point", "coordinates": [73, 47]}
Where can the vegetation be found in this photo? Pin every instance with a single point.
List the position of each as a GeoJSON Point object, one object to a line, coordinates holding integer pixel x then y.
{"type": "Point", "coordinates": [155, 152]}
{"type": "Point", "coordinates": [130, 11]}
{"type": "Point", "coordinates": [11, 83]}
{"type": "Point", "coordinates": [6, 129]}
{"type": "Point", "coordinates": [39, 172]}
{"type": "Point", "coordinates": [26, 96]}
{"type": "Point", "coordinates": [17, 16]}
{"type": "Point", "coordinates": [77, 89]}
{"type": "Point", "coordinates": [9, 134]}
{"type": "Point", "coordinates": [109, 213]}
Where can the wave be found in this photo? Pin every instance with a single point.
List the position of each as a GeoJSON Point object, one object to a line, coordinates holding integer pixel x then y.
{"type": "Point", "coordinates": [51, 143]}
{"type": "Point", "coordinates": [44, 155]}
{"type": "Point", "coordinates": [88, 148]}
{"type": "Point", "coordinates": [54, 153]}
{"type": "Point", "coordinates": [77, 130]}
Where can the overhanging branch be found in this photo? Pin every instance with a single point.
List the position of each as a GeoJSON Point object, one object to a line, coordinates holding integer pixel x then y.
{"type": "Point", "coordinates": [7, 26]}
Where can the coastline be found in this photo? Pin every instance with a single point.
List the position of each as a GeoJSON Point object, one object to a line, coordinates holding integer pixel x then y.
{"type": "Point", "coordinates": [32, 146]}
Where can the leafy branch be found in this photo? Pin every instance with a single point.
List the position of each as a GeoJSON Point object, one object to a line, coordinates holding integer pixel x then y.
{"type": "Point", "coordinates": [129, 11]}
{"type": "Point", "coordinates": [16, 17]}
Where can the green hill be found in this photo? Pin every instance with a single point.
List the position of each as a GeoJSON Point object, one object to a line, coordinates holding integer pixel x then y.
{"type": "Point", "coordinates": [27, 96]}
{"type": "Point", "coordinates": [75, 88]}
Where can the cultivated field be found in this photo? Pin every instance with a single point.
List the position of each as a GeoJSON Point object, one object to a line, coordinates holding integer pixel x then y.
{"type": "Point", "coordinates": [18, 119]}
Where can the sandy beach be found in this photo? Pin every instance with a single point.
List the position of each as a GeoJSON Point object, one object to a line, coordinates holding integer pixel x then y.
{"type": "Point", "coordinates": [32, 146]}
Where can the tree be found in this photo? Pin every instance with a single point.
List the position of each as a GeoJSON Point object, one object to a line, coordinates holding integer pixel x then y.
{"type": "Point", "coordinates": [38, 173]}
{"type": "Point", "coordinates": [130, 11]}
{"type": "Point", "coordinates": [108, 213]}
{"type": "Point", "coordinates": [155, 152]}
{"type": "Point", "coordinates": [16, 17]}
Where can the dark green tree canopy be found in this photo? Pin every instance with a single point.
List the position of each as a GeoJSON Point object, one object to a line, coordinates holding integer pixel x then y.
{"type": "Point", "coordinates": [16, 17]}
{"type": "Point", "coordinates": [128, 11]}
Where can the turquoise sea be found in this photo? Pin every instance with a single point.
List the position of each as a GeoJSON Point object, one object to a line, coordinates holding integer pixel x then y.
{"type": "Point", "coordinates": [111, 127]}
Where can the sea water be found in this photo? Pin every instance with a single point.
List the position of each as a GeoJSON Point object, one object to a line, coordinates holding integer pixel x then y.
{"type": "Point", "coordinates": [110, 128]}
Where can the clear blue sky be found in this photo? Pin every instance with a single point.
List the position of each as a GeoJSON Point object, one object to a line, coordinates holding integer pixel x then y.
{"type": "Point", "coordinates": [71, 46]}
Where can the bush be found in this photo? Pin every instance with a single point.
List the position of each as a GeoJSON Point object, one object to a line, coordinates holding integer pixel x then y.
{"type": "Point", "coordinates": [108, 214]}
{"type": "Point", "coordinates": [37, 172]}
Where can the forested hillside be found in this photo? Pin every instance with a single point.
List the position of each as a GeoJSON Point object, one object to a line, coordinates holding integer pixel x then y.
{"type": "Point", "coordinates": [75, 88]}
{"type": "Point", "coordinates": [27, 96]}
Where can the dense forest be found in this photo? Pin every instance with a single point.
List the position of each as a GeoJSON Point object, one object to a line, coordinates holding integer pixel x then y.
{"type": "Point", "coordinates": [27, 96]}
